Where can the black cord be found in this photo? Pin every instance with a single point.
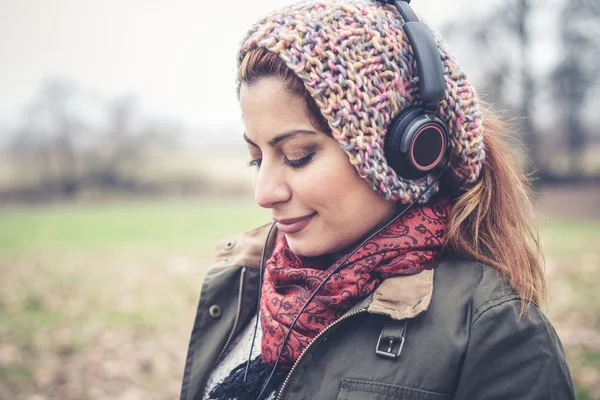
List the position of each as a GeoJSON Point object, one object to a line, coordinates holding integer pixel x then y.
{"type": "Point", "coordinates": [400, 214]}
{"type": "Point", "coordinates": [260, 272]}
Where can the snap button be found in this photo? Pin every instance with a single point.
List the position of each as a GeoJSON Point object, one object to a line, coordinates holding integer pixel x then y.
{"type": "Point", "coordinates": [229, 245]}
{"type": "Point", "coordinates": [214, 311]}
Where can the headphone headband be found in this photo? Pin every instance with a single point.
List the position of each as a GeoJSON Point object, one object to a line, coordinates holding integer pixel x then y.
{"type": "Point", "coordinates": [427, 57]}
{"type": "Point", "coordinates": [416, 140]}
{"type": "Point", "coordinates": [407, 13]}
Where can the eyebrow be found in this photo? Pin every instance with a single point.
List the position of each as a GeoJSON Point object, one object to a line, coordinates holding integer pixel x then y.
{"type": "Point", "coordinates": [281, 137]}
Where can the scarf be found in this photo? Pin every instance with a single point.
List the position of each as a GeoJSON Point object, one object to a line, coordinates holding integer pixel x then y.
{"type": "Point", "coordinates": [408, 246]}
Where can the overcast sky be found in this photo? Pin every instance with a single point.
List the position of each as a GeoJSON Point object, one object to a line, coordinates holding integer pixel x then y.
{"type": "Point", "coordinates": [178, 56]}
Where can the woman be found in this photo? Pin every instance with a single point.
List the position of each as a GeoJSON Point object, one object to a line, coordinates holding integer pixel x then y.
{"type": "Point", "coordinates": [401, 263]}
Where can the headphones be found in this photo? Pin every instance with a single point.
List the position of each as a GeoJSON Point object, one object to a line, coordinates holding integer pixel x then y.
{"type": "Point", "coordinates": [417, 139]}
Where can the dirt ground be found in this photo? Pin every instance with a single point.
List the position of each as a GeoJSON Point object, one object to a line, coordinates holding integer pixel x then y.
{"type": "Point", "coordinates": [570, 201]}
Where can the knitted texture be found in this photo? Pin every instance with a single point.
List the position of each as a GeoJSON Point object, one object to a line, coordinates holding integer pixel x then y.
{"type": "Point", "coordinates": [356, 62]}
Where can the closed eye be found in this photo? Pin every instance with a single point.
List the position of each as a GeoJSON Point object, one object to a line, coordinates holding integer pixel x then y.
{"type": "Point", "coordinates": [301, 162]}
{"type": "Point", "coordinates": [297, 163]}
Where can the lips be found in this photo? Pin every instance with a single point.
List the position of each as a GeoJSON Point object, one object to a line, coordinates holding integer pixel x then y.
{"type": "Point", "coordinates": [293, 225]}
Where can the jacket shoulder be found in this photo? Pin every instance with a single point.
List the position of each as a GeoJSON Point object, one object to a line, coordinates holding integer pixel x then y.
{"type": "Point", "coordinates": [244, 248]}
{"type": "Point", "coordinates": [493, 290]}
{"type": "Point", "coordinates": [513, 352]}
{"type": "Point", "coordinates": [478, 283]}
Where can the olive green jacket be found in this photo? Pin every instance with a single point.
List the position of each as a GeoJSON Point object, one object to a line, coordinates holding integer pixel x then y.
{"type": "Point", "coordinates": [449, 333]}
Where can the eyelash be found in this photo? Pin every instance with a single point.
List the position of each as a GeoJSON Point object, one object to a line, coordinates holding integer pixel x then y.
{"type": "Point", "coordinates": [255, 163]}
{"type": "Point", "coordinates": [299, 163]}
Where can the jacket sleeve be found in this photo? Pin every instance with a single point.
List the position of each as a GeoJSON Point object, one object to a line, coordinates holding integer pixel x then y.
{"type": "Point", "coordinates": [513, 358]}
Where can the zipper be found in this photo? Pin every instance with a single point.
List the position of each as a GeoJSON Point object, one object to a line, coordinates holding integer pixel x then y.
{"type": "Point", "coordinates": [329, 327]}
{"type": "Point", "coordinates": [235, 321]}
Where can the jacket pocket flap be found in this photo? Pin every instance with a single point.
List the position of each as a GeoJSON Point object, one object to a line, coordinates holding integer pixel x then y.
{"type": "Point", "coordinates": [355, 389]}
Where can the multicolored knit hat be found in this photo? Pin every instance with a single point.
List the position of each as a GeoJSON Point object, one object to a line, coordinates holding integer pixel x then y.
{"type": "Point", "coordinates": [355, 61]}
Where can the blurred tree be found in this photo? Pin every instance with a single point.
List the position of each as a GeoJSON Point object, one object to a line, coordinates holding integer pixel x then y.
{"type": "Point", "coordinates": [47, 135]}
{"type": "Point", "coordinates": [69, 140]}
{"type": "Point", "coordinates": [577, 74]}
{"type": "Point", "coordinates": [500, 34]}
{"type": "Point", "coordinates": [528, 94]}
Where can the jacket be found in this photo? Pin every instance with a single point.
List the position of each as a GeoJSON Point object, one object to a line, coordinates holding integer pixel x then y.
{"type": "Point", "coordinates": [454, 332]}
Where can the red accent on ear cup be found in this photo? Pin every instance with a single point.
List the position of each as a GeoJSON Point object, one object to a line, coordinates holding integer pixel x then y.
{"type": "Point", "coordinates": [414, 155]}
{"type": "Point", "coordinates": [428, 129]}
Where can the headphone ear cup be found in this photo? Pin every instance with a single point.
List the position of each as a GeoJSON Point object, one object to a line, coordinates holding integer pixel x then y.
{"type": "Point", "coordinates": [394, 155]}
{"type": "Point", "coordinates": [415, 143]}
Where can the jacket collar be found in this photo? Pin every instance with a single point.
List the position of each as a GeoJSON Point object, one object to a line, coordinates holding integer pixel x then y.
{"type": "Point", "coordinates": [399, 297]}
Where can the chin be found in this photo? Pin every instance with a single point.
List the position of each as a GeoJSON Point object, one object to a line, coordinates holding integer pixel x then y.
{"type": "Point", "coordinates": [305, 248]}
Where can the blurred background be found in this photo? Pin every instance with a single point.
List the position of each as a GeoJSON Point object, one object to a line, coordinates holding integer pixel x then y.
{"type": "Point", "coordinates": [122, 164]}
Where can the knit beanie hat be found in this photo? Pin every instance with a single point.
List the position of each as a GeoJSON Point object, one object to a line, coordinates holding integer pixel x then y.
{"type": "Point", "coordinates": [356, 62]}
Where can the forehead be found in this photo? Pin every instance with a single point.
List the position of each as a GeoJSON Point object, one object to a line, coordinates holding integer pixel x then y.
{"type": "Point", "coordinates": [267, 106]}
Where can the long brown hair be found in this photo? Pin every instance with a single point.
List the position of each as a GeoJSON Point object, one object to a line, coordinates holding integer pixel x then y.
{"type": "Point", "coordinates": [492, 222]}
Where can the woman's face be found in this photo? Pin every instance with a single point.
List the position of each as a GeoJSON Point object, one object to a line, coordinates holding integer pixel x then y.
{"type": "Point", "coordinates": [315, 195]}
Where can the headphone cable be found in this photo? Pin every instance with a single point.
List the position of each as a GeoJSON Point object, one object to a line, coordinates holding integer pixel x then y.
{"type": "Point", "coordinates": [400, 214]}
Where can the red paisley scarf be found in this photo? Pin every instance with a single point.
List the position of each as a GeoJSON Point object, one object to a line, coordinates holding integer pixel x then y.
{"type": "Point", "coordinates": [408, 246]}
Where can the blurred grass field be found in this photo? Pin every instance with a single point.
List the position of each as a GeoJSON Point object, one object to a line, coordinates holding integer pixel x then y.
{"type": "Point", "coordinates": [97, 301]}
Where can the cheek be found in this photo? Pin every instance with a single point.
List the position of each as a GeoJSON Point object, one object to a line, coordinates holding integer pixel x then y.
{"type": "Point", "coordinates": [348, 208]}
{"type": "Point", "coordinates": [333, 186]}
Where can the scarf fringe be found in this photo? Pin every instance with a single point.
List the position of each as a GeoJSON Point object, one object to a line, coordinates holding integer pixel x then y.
{"type": "Point", "coordinates": [234, 387]}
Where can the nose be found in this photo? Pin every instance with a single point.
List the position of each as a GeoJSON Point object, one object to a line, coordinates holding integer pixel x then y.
{"type": "Point", "coordinates": [270, 187]}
